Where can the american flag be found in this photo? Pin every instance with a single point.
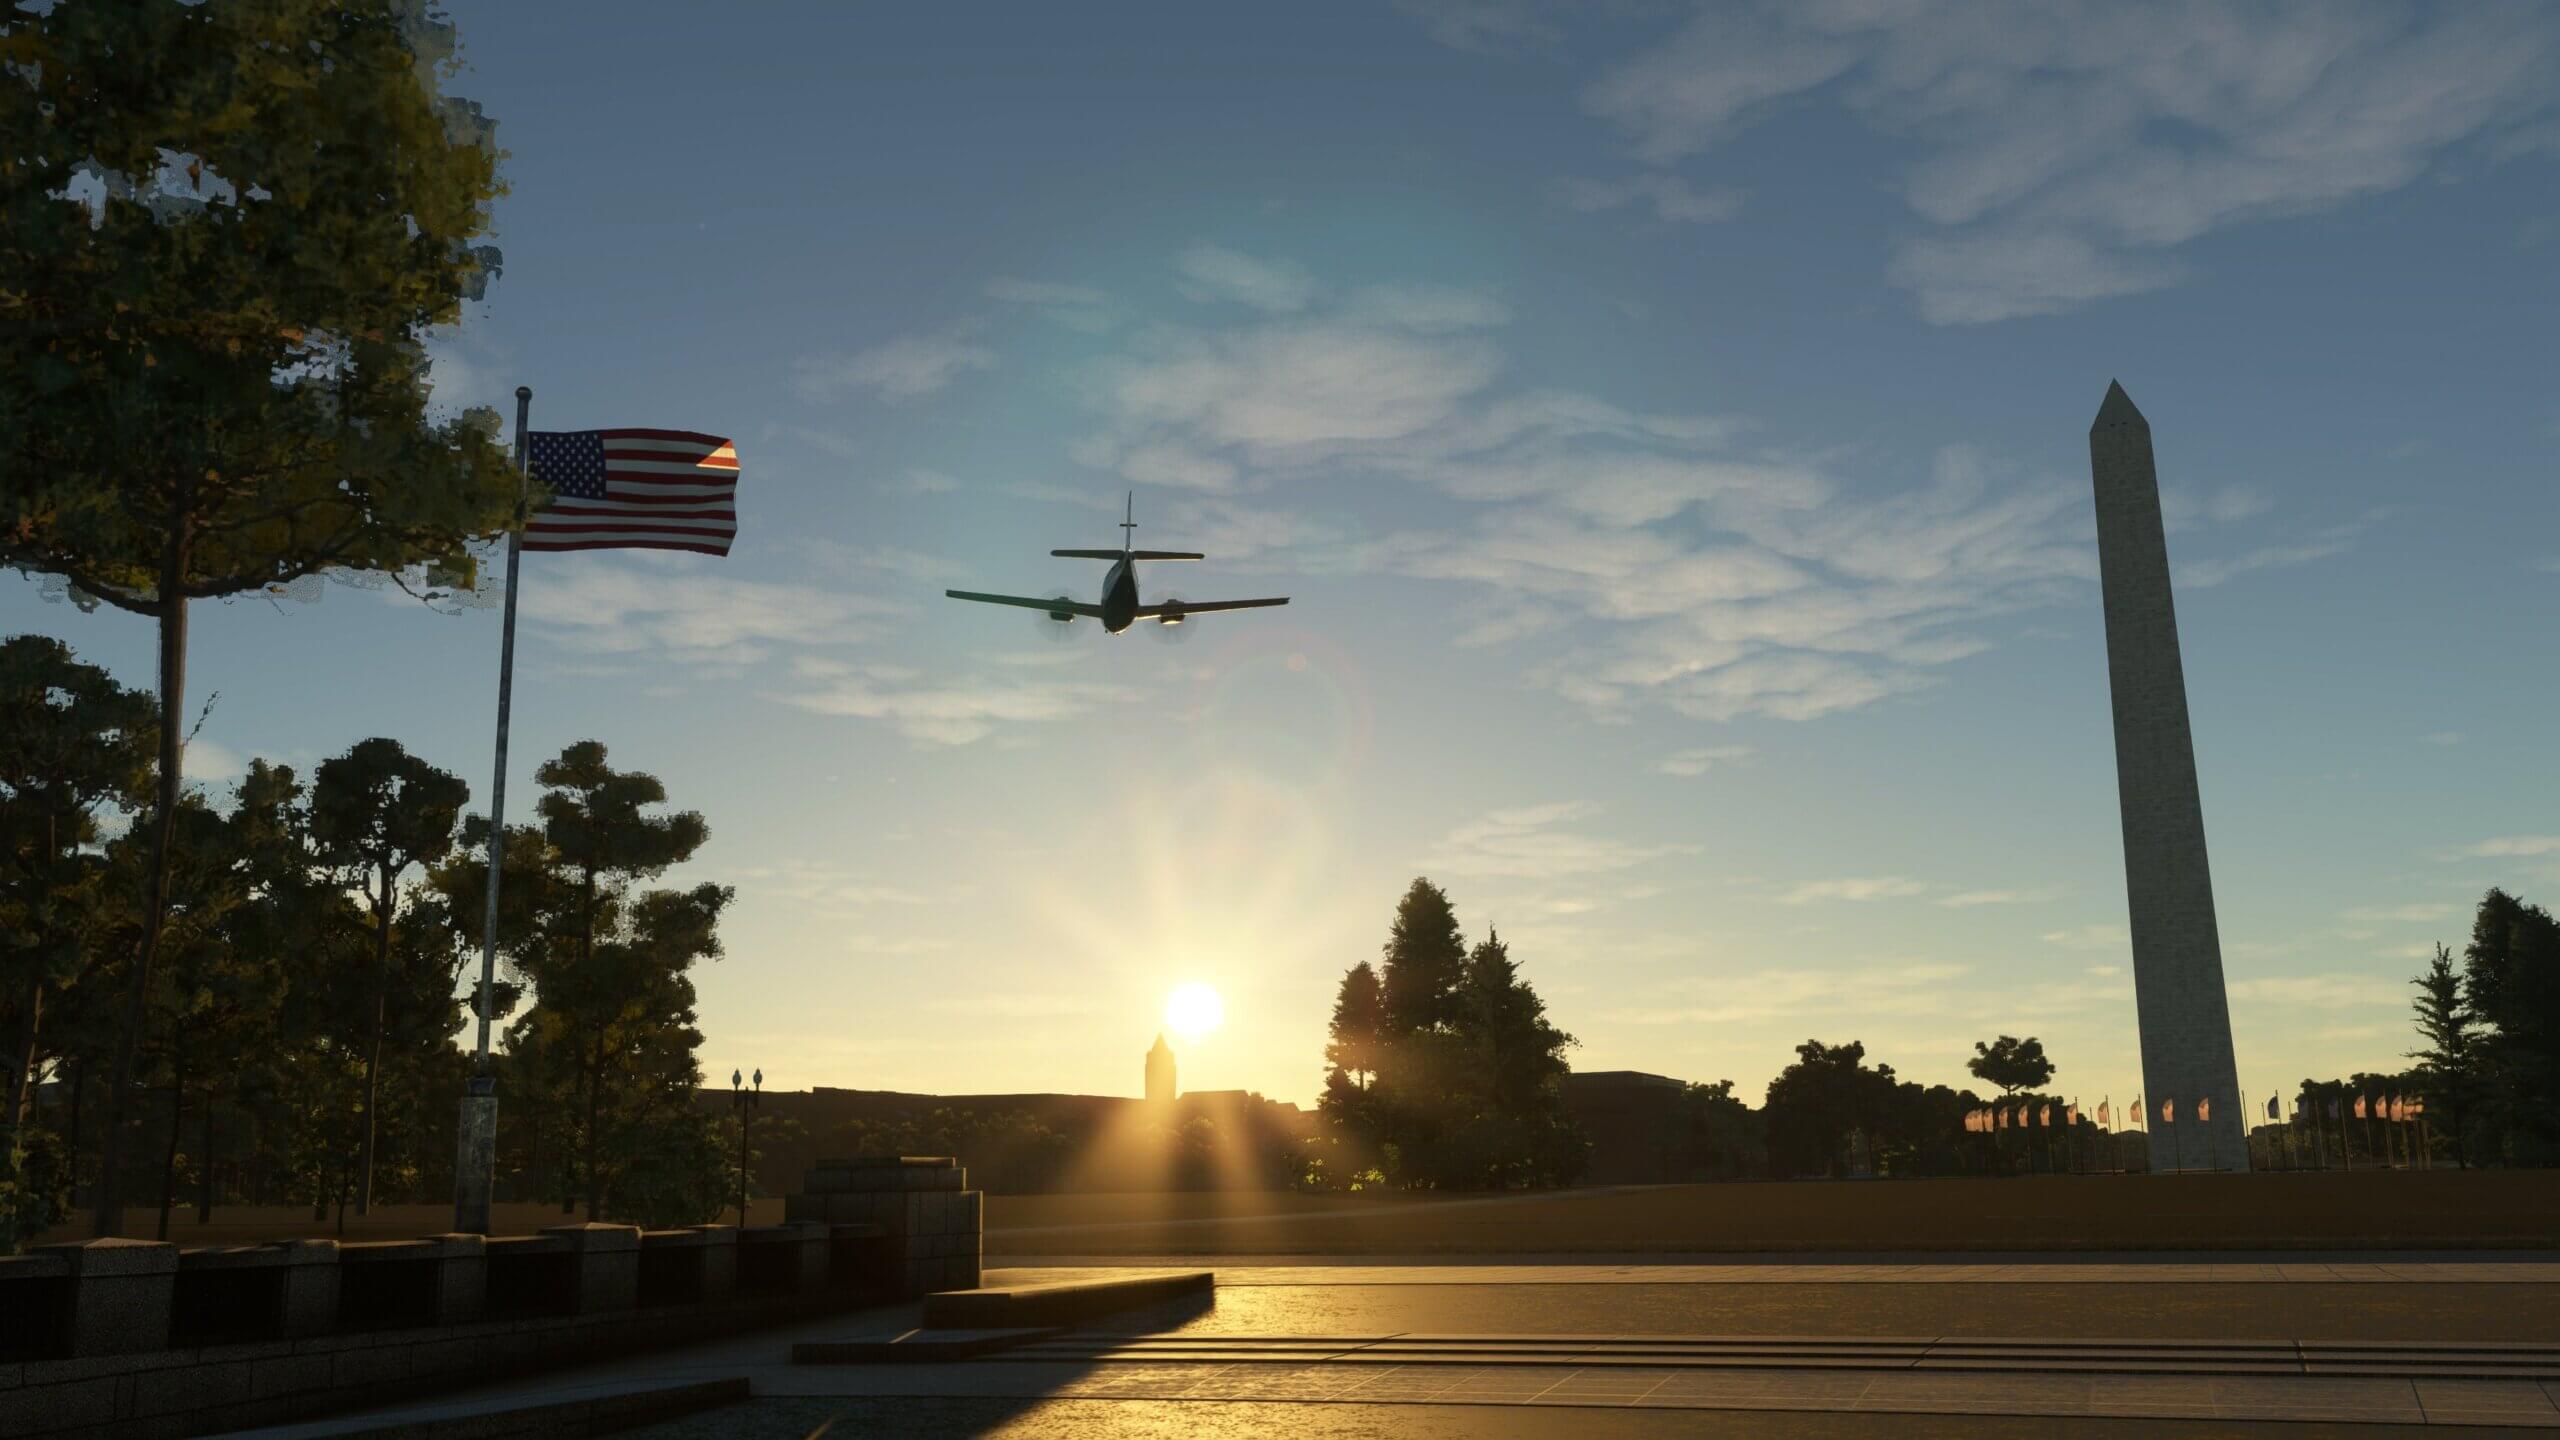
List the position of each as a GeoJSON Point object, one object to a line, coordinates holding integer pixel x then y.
{"type": "Point", "coordinates": [634, 490]}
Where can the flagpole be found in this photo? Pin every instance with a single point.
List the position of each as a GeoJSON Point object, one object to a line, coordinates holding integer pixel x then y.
{"type": "Point", "coordinates": [475, 1168]}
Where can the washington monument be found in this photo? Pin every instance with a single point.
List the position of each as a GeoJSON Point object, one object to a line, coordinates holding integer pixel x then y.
{"type": "Point", "coordinates": [2177, 953]}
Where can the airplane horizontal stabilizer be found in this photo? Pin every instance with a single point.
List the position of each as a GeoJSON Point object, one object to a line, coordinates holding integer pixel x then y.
{"type": "Point", "coordinates": [1131, 554]}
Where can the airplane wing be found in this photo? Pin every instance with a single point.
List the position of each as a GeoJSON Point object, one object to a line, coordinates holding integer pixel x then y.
{"type": "Point", "coordinates": [1195, 607]}
{"type": "Point", "coordinates": [1054, 605]}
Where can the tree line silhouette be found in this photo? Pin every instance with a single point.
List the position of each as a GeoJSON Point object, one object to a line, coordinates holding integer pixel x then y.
{"type": "Point", "coordinates": [297, 1041]}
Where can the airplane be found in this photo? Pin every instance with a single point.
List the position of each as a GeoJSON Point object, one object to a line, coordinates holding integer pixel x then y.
{"type": "Point", "coordinates": [1120, 608]}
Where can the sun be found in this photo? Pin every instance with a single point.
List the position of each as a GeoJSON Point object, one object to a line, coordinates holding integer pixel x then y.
{"type": "Point", "coordinates": [1193, 1010]}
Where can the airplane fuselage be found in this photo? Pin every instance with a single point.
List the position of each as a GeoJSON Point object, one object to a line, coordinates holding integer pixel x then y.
{"type": "Point", "coordinates": [1119, 597]}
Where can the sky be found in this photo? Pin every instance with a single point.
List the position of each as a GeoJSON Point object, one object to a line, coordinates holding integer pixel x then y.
{"type": "Point", "coordinates": [1670, 427]}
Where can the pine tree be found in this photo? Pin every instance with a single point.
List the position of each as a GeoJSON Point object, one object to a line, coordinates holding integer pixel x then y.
{"type": "Point", "coordinates": [1425, 963]}
{"type": "Point", "coordinates": [2511, 982]}
{"type": "Point", "coordinates": [376, 813]}
{"type": "Point", "coordinates": [1358, 1019]}
{"type": "Point", "coordinates": [2450, 1062]}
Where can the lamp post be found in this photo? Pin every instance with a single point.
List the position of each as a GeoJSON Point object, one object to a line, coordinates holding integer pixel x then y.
{"type": "Point", "coordinates": [744, 1101]}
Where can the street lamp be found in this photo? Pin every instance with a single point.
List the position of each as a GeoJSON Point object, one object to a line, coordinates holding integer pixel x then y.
{"type": "Point", "coordinates": [745, 1102]}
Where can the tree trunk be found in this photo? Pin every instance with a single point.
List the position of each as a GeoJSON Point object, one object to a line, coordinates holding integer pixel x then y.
{"type": "Point", "coordinates": [595, 1131]}
{"type": "Point", "coordinates": [108, 1218]}
{"type": "Point", "coordinates": [79, 1084]}
{"type": "Point", "coordinates": [381, 1007]}
{"type": "Point", "coordinates": [204, 1171]}
{"type": "Point", "coordinates": [169, 1156]}
{"type": "Point", "coordinates": [22, 1066]}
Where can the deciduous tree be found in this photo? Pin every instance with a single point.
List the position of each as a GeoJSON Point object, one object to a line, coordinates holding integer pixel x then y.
{"type": "Point", "coordinates": [224, 231]}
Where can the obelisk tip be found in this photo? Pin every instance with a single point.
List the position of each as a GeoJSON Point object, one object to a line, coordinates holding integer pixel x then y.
{"type": "Point", "coordinates": [2117, 409]}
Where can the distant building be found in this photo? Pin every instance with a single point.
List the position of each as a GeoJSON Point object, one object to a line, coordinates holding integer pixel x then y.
{"type": "Point", "coordinates": [1160, 1087]}
{"type": "Point", "coordinates": [1633, 1122]}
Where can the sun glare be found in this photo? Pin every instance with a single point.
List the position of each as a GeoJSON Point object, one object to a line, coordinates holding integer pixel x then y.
{"type": "Point", "coordinates": [1193, 1010]}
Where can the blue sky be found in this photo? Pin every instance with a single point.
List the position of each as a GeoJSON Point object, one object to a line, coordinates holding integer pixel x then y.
{"type": "Point", "coordinates": [1671, 426]}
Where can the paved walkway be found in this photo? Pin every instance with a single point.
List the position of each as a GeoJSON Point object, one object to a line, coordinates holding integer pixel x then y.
{"type": "Point", "coordinates": [1277, 1270]}
{"type": "Point", "coordinates": [1353, 1335]}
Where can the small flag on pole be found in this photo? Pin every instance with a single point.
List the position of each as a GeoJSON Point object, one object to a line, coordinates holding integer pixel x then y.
{"type": "Point", "coordinates": [2204, 1111]}
{"type": "Point", "coordinates": [2272, 1112]}
{"type": "Point", "coordinates": [2360, 1108]}
{"type": "Point", "coordinates": [2044, 1116]}
{"type": "Point", "coordinates": [2168, 1112]}
{"type": "Point", "coordinates": [2071, 1115]}
{"type": "Point", "coordinates": [634, 490]}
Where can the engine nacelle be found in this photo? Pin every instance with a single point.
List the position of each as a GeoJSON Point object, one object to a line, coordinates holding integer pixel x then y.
{"type": "Point", "coordinates": [1170, 617]}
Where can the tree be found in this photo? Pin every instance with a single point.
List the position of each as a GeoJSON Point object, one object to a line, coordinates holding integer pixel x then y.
{"type": "Point", "coordinates": [616, 990]}
{"type": "Point", "coordinates": [1426, 962]}
{"type": "Point", "coordinates": [2011, 1063]}
{"type": "Point", "coordinates": [376, 813]}
{"type": "Point", "coordinates": [1462, 1068]}
{"type": "Point", "coordinates": [2511, 980]}
{"type": "Point", "coordinates": [1358, 1022]}
{"type": "Point", "coordinates": [72, 741]}
{"type": "Point", "coordinates": [224, 231]}
{"type": "Point", "coordinates": [1719, 1133]}
{"type": "Point", "coordinates": [2449, 1064]}
{"type": "Point", "coordinates": [1815, 1106]}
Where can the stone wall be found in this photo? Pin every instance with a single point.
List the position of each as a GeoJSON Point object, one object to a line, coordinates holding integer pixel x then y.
{"type": "Point", "coordinates": [933, 1221]}
{"type": "Point", "coordinates": [134, 1338]}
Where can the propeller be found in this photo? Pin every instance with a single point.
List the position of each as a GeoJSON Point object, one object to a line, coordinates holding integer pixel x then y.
{"type": "Point", "coordinates": [1174, 633]}
{"type": "Point", "coordinates": [1054, 628]}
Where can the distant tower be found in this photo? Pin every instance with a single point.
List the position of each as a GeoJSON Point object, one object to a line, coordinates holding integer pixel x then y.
{"type": "Point", "coordinates": [2178, 994]}
{"type": "Point", "coordinates": [1160, 1073]}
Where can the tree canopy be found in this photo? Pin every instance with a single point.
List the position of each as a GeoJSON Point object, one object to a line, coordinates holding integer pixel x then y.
{"type": "Point", "coordinates": [225, 231]}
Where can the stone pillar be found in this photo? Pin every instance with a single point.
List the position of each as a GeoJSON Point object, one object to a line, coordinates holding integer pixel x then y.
{"type": "Point", "coordinates": [307, 1292]}
{"type": "Point", "coordinates": [475, 1157]}
{"type": "Point", "coordinates": [606, 1261]}
{"type": "Point", "coordinates": [2183, 1009]}
{"type": "Point", "coordinates": [719, 1260]}
{"type": "Point", "coordinates": [462, 1277]}
{"type": "Point", "coordinates": [934, 1221]}
{"type": "Point", "coordinates": [120, 1295]}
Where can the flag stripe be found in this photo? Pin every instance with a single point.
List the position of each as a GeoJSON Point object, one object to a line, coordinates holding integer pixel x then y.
{"type": "Point", "coordinates": [659, 463]}
{"type": "Point", "coordinates": [629, 542]}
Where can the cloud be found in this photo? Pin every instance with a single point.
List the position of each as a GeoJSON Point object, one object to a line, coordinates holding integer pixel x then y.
{"type": "Point", "coordinates": [1883, 887]}
{"type": "Point", "coordinates": [1967, 899]}
{"type": "Point", "coordinates": [2058, 150]}
{"type": "Point", "coordinates": [1483, 25]}
{"type": "Point", "coordinates": [2103, 971]}
{"type": "Point", "coordinates": [2203, 574]}
{"type": "Point", "coordinates": [1278, 389]}
{"type": "Point", "coordinates": [1902, 987]}
{"type": "Point", "coordinates": [1670, 197]}
{"type": "Point", "coordinates": [207, 762]}
{"type": "Point", "coordinates": [2321, 992]}
{"type": "Point", "coordinates": [1077, 307]}
{"type": "Point", "coordinates": [691, 618]}
{"type": "Point", "coordinates": [1694, 762]}
{"type": "Point", "coordinates": [936, 711]}
{"type": "Point", "coordinates": [2444, 737]}
{"type": "Point", "coordinates": [2510, 847]}
{"type": "Point", "coordinates": [2401, 914]}
{"type": "Point", "coordinates": [907, 368]}
{"type": "Point", "coordinates": [1428, 309]}
{"type": "Point", "coordinates": [1691, 570]}
{"type": "Point", "coordinates": [1528, 843]}
{"type": "Point", "coordinates": [2090, 937]}
{"type": "Point", "coordinates": [1213, 273]}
